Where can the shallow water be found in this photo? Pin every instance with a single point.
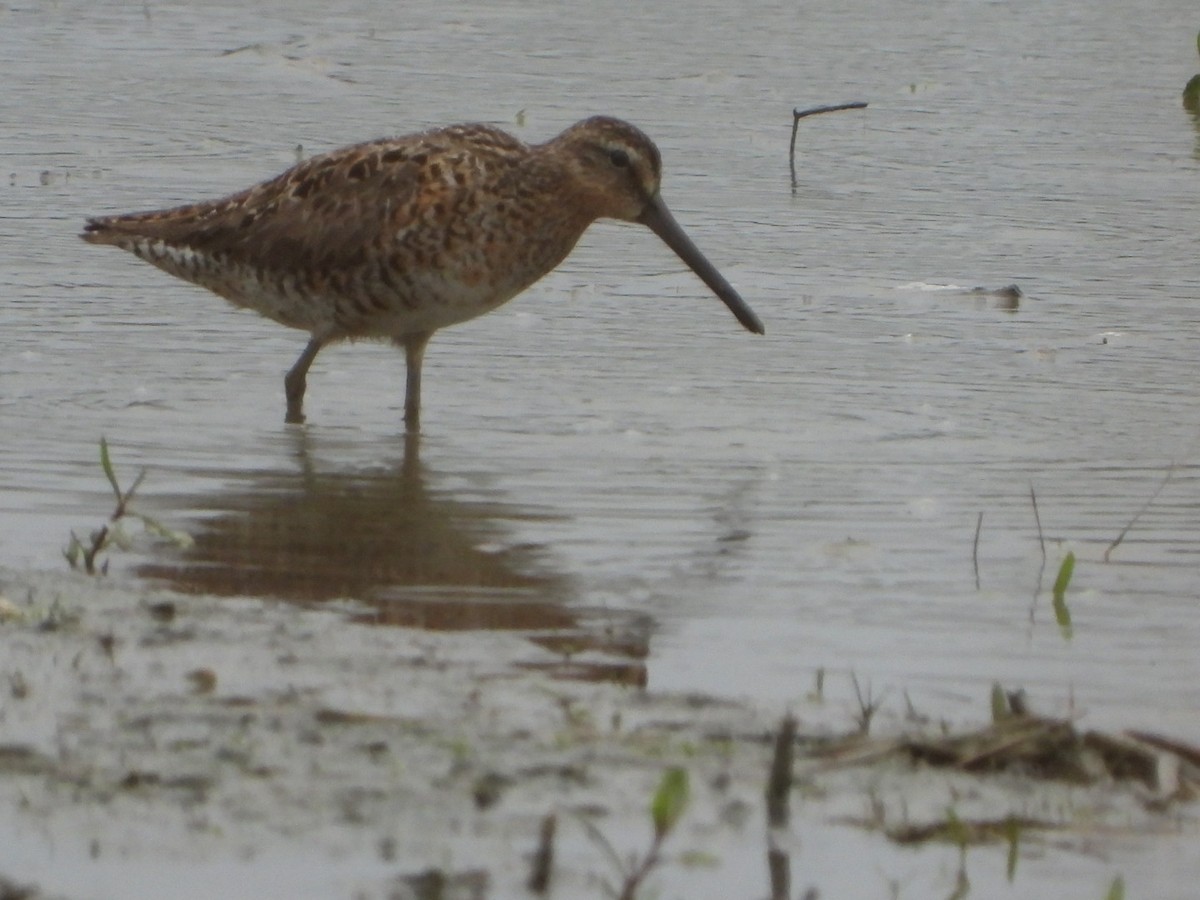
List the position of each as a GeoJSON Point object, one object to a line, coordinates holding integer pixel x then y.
{"type": "Point", "coordinates": [612, 447]}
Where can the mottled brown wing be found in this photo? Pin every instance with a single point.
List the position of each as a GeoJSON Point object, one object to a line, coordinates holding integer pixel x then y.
{"type": "Point", "coordinates": [331, 210]}
{"type": "Point", "coordinates": [324, 212]}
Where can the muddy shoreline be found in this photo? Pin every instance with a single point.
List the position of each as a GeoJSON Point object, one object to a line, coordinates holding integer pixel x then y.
{"type": "Point", "coordinates": [291, 751]}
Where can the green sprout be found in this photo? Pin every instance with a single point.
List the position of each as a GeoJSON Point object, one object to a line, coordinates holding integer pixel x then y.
{"type": "Point", "coordinates": [1061, 613]}
{"type": "Point", "coordinates": [85, 554]}
{"type": "Point", "coordinates": [666, 808]}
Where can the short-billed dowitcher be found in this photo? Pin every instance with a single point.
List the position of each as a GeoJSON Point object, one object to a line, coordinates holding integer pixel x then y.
{"type": "Point", "coordinates": [397, 238]}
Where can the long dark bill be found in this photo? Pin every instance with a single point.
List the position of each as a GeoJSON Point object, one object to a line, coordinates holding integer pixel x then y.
{"type": "Point", "coordinates": [658, 219]}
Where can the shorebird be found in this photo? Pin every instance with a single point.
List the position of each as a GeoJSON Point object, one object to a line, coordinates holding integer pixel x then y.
{"type": "Point", "coordinates": [399, 237]}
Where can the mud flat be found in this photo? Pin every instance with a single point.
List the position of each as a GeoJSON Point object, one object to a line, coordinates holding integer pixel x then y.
{"type": "Point", "coordinates": [157, 744]}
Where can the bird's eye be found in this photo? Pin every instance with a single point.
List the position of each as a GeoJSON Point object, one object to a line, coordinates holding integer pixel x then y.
{"type": "Point", "coordinates": [618, 158]}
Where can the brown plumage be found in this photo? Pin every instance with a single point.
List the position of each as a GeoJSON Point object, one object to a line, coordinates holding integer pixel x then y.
{"type": "Point", "coordinates": [397, 238]}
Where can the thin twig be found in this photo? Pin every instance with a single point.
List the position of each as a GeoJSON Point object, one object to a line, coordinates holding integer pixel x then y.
{"type": "Point", "coordinates": [779, 781]}
{"type": "Point", "coordinates": [99, 539]}
{"type": "Point", "coordinates": [834, 107]}
{"type": "Point", "coordinates": [779, 789]}
{"type": "Point", "coordinates": [543, 857]}
{"type": "Point", "coordinates": [779, 870]}
{"type": "Point", "coordinates": [1037, 591]}
{"type": "Point", "coordinates": [128, 495]}
{"type": "Point", "coordinates": [798, 114]}
{"type": "Point", "coordinates": [1145, 506]}
{"type": "Point", "coordinates": [639, 872]}
{"type": "Point", "coordinates": [867, 707]}
{"type": "Point", "coordinates": [975, 548]}
{"type": "Point", "coordinates": [1038, 519]}
{"type": "Point", "coordinates": [604, 844]}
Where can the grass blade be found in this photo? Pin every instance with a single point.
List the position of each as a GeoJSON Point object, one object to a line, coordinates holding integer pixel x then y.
{"type": "Point", "coordinates": [1064, 575]}
{"type": "Point", "coordinates": [956, 831]}
{"type": "Point", "coordinates": [107, 466]}
{"type": "Point", "coordinates": [137, 483]}
{"type": "Point", "coordinates": [1000, 708]}
{"type": "Point", "coordinates": [1012, 832]}
{"type": "Point", "coordinates": [669, 800]}
{"type": "Point", "coordinates": [180, 539]}
{"type": "Point", "coordinates": [1061, 614]}
{"type": "Point", "coordinates": [73, 551]}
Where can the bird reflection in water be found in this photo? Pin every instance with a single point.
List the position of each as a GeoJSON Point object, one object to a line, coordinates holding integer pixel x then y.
{"type": "Point", "coordinates": [417, 558]}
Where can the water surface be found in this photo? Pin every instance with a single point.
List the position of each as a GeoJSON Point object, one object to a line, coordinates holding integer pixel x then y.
{"type": "Point", "coordinates": [612, 444]}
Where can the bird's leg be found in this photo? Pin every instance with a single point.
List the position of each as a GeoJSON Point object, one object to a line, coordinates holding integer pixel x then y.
{"type": "Point", "coordinates": [295, 381]}
{"type": "Point", "coordinates": [414, 354]}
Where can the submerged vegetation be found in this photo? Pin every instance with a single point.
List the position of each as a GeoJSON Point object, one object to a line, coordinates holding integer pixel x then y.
{"type": "Point", "coordinates": [666, 808]}
{"type": "Point", "coordinates": [81, 554]}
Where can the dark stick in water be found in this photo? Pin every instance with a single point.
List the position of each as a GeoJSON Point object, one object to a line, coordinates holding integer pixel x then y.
{"type": "Point", "coordinates": [798, 114]}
